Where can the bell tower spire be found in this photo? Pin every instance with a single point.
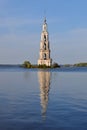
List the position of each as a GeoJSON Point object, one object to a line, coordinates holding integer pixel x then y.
{"type": "Point", "coordinates": [45, 25]}
{"type": "Point", "coordinates": [44, 58]}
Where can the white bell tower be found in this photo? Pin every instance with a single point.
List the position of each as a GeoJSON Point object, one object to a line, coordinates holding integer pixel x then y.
{"type": "Point", "coordinates": [44, 58]}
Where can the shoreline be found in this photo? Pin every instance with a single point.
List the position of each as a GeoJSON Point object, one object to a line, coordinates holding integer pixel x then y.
{"type": "Point", "coordinates": [20, 66]}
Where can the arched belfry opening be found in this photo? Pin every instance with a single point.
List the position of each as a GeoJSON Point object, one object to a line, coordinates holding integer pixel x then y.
{"type": "Point", "coordinates": [44, 46]}
{"type": "Point", "coordinates": [44, 58]}
{"type": "Point", "coordinates": [45, 38]}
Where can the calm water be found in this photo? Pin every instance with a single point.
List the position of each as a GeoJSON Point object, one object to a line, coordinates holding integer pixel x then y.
{"type": "Point", "coordinates": [43, 99]}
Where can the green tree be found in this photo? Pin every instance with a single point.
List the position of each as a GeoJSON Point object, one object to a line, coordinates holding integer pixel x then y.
{"type": "Point", "coordinates": [27, 64]}
{"type": "Point", "coordinates": [55, 65]}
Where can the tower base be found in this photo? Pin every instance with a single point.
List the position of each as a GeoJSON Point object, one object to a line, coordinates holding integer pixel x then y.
{"type": "Point", "coordinates": [45, 62]}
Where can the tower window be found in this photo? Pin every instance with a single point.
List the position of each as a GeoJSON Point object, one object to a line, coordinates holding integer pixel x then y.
{"type": "Point", "coordinates": [44, 56]}
{"type": "Point", "coordinates": [44, 37]}
{"type": "Point", "coordinates": [44, 46]}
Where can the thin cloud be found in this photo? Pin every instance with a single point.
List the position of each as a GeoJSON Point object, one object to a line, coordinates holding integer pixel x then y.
{"type": "Point", "coordinates": [72, 36]}
{"type": "Point", "coordinates": [70, 46]}
{"type": "Point", "coordinates": [15, 22]}
{"type": "Point", "coordinates": [10, 39]}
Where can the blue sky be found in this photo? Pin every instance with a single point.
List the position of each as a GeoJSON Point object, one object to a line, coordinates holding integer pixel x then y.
{"type": "Point", "coordinates": [21, 25]}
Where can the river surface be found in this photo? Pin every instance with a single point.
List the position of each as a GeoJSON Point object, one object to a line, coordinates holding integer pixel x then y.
{"type": "Point", "coordinates": [50, 99]}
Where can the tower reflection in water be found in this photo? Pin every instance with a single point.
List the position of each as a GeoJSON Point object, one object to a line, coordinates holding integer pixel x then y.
{"type": "Point", "coordinates": [44, 81]}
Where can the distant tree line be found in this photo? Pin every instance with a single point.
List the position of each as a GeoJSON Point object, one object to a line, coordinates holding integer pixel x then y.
{"type": "Point", "coordinates": [76, 65]}
{"type": "Point", "coordinates": [81, 65]}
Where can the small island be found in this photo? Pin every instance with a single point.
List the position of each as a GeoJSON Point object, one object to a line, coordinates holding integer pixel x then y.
{"type": "Point", "coordinates": [27, 64]}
